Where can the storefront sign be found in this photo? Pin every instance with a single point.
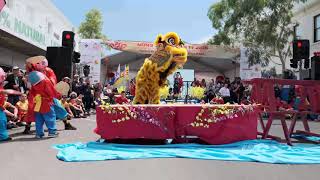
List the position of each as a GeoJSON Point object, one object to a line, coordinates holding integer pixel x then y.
{"type": "Point", "coordinates": [27, 32]}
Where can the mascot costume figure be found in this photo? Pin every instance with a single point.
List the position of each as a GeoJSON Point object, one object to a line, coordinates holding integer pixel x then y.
{"type": "Point", "coordinates": [41, 102]}
{"type": "Point", "coordinates": [168, 57]}
{"type": "Point", "coordinates": [40, 63]}
{"type": "Point", "coordinates": [3, 118]}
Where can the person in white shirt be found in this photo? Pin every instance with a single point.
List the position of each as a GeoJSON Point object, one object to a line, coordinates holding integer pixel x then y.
{"type": "Point", "coordinates": [225, 93]}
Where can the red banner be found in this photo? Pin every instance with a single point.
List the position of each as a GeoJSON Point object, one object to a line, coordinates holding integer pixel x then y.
{"type": "Point", "coordinates": [196, 50]}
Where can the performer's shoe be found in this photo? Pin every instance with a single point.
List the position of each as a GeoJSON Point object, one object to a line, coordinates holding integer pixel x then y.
{"type": "Point", "coordinates": [53, 135]}
{"type": "Point", "coordinates": [68, 126]}
{"type": "Point", "coordinates": [27, 130]}
{"type": "Point", "coordinates": [5, 140]}
{"type": "Point", "coordinates": [38, 137]}
{"type": "Point", "coordinates": [20, 124]}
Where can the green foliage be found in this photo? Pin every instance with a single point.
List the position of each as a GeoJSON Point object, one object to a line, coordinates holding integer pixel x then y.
{"type": "Point", "coordinates": [91, 28]}
{"type": "Point", "coordinates": [264, 26]}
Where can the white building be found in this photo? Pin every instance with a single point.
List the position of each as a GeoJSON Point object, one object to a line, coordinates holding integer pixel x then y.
{"type": "Point", "coordinates": [307, 18]}
{"type": "Point", "coordinates": [27, 28]}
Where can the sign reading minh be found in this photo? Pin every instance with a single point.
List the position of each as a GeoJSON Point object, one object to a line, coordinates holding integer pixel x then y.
{"type": "Point", "coordinates": [15, 26]}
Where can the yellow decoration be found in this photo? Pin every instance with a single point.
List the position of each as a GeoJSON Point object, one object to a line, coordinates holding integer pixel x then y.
{"type": "Point", "coordinates": [121, 88]}
{"type": "Point", "coordinates": [197, 92]}
{"type": "Point", "coordinates": [164, 92]}
{"type": "Point", "coordinates": [168, 57]}
{"type": "Point", "coordinates": [38, 101]}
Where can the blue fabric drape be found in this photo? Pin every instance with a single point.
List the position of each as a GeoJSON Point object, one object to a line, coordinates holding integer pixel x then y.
{"type": "Point", "coordinates": [266, 151]}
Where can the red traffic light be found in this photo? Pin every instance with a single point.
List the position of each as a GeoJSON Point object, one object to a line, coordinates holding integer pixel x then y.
{"type": "Point", "coordinates": [68, 36]}
{"type": "Point", "coordinates": [299, 44]}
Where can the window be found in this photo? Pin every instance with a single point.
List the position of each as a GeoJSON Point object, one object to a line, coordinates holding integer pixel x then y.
{"type": "Point", "coordinates": [49, 28]}
{"type": "Point", "coordinates": [297, 32]}
{"type": "Point", "coordinates": [30, 11]}
{"type": "Point", "coordinates": [317, 28]}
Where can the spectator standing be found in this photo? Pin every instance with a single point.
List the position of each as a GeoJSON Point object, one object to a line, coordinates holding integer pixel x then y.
{"type": "Point", "coordinates": [76, 85]}
{"type": "Point", "coordinates": [211, 85]}
{"type": "Point", "coordinates": [15, 82]}
{"type": "Point", "coordinates": [87, 96]}
{"type": "Point", "coordinates": [178, 82]}
{"type": "Point", "coordinates": [97, 91]}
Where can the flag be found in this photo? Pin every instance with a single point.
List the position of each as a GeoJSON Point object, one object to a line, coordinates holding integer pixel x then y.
{"type": "Point", "coordinates": [117, 74]}
{"type": "Point", "coordinates": [2, 4]}
{"type": "Point", "coordinates": [127, 71]}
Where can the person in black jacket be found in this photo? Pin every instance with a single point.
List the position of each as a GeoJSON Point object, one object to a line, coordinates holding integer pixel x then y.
{"type": "Point", "coordinates": [15, 81]}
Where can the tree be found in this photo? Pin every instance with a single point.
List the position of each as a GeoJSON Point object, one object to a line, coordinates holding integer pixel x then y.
{"type": "Point", "coordinates": [263, 26]}
{"type": "Point", "coordinates": [91, 28]}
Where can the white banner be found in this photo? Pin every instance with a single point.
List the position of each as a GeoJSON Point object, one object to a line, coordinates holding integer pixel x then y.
{"type": "Point", "coordinates": [248, 72]}
{"type": "Point", "coordinates": [91, 54]}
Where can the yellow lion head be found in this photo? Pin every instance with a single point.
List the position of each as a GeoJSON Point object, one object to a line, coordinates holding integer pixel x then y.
{"type": "Point", "coordinates": [173, 46]}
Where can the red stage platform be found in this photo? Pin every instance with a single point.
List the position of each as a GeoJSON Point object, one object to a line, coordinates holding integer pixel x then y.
{"type": "Point", "coordinates": [214, 124]}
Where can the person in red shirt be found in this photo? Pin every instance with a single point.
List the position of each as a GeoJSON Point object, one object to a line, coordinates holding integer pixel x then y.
{"type": "Point", "coordinates": [122, 99]}
{"type": "Point", "coordinates": [132, 87]}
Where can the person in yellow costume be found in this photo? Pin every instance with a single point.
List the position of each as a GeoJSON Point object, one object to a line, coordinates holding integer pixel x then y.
{"type": "Point", "coordinates": [168, 57]}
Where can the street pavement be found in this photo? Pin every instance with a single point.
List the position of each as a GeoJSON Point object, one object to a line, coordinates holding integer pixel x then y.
{"type": "Point", "coordinates": [26, 158]}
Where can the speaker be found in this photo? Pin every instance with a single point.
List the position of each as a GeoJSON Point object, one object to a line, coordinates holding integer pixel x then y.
{"type": "Point", "coordinates": [315, 68]}
{"type": "Point", "coordinates": [60, 60]}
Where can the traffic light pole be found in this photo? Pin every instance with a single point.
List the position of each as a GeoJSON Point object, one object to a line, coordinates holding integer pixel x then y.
{"type": "Point", "coordinates": [300, 70]}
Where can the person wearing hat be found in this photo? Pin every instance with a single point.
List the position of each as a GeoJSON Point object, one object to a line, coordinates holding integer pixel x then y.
{"type": "Point", "coordinates": [15, 82]}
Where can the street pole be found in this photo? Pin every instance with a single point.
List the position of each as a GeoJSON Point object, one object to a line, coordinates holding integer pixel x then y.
{"type": "Point", "coordinates": [300, 69]}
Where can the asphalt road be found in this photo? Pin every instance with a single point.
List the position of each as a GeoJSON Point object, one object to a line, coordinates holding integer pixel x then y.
{"type": "Point", "coordinates": [26, 158]}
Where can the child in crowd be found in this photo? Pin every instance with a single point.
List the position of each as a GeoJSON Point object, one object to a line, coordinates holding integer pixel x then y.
{"type": "Point", "coordinates": [75, 107]}
{"type": "Point", "coordinates": [65, 104]}
{"type": "Point", "coordinates": [12, 114]}
{"type": "Point", "coordinates": [22, 106]}
{"type": "Point", "coordinates": [122, 99]}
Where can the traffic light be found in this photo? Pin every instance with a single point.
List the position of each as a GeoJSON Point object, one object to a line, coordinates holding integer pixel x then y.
{"type": "Point", "coordinates": [306, 63]}
{"type": "Point", "coordinates": [301, 49]}
{"type": "Point", "coordinates": [68, 39]}
{"type": "Point", "coordinates": [294, 63]}
{"type": "Point", "coordinates": [76, 57]}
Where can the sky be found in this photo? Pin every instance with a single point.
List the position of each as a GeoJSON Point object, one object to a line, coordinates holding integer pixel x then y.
{"type": "Point", "coordinates": [143, 20]}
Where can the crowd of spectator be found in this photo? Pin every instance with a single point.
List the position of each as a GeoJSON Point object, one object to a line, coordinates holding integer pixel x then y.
{"type": "Point", "coordinates": [79, 102]}
{"type": "Point", "coordinates": [230, 92]}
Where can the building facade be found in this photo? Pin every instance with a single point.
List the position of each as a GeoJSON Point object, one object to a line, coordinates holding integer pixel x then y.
{"type": "Point", "coordinates": [306, 24]}
{"type": "Point", "coordinates": [27, 28]}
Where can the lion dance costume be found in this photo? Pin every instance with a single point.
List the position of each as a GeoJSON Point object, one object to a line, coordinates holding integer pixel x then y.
{"type": "Point", "coordinates": [168, 57]}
